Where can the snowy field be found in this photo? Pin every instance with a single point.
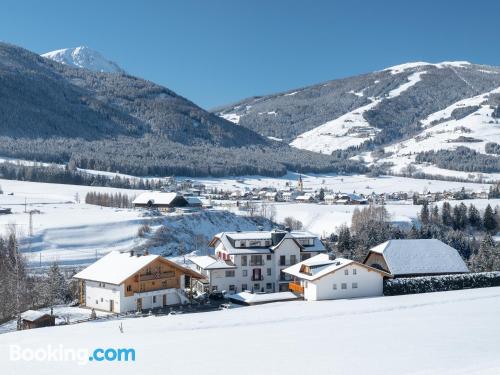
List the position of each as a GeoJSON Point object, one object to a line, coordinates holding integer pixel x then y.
{"type": "Point", "coordinates": [66, 231]}
{"type": "Point", "coordinates": [63, 314]}
{"type": "Point", "coordinates": [437, 333]}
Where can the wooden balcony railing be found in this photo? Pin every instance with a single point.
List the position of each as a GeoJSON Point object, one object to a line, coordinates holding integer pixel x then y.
{"type": "Point", "coordinates": [295, 287]}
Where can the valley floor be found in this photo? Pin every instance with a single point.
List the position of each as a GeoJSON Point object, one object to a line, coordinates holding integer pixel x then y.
{"type": "Point", "coordinates": [437, 333]}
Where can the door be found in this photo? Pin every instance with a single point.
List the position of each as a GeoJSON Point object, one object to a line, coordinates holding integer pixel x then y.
{"type": "Point", "coordinates": [256, 275]}
{"type": "Point", "coordinates": [164, 300]}
{"type": "Point", "coordinates": [139, 304]}
{"type": "Point", "coordinates": [111, 305]}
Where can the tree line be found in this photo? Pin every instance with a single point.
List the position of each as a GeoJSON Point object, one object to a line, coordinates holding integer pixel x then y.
{"type": "Point", "coordinates": [21, 290]}
{"type": "Point", "coordinates": [461, 227]}
{"type": "Point", "coordinates": [70, 175]}
{"type": "Point", "coordinates": [108, 199]}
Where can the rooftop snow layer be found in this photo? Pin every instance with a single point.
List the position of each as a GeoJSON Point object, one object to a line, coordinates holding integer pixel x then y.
{"type": "Point", "coordinates": [422, 256]}
{"type": "Point", "coordinates": [115, 267]}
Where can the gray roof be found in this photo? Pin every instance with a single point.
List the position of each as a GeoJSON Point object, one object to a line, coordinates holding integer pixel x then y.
{"type": "Point", "coordinates": [423, 256]}
{"type": "Point", "coordinates": [228, 238]}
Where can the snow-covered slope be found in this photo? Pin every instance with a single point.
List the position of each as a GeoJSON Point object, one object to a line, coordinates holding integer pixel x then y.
{"type": "Point", "coordinates": [434, 333]}
{"type": "Point", "coordinates": [386, 106]}
{"type": "Point", "coordinates": [350, 129]}
{"type": "Point", "coordinates": [444, 130]}
{"type": "Point", "coordinates": [84, 57]}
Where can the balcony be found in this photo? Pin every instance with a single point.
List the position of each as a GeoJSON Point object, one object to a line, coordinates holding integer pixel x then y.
{"type": "Point", "coordinates": [258, 278]}
{"type": "Point", "coordinates": [296, 287]}
{"type": "Point", "coordinates": [256, 263]}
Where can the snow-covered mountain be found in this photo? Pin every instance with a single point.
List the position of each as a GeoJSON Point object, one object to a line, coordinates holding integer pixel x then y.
{"type": "Point", "coordinates": [84, 57]}
{"type": "Point", "coordinates": [403, 110]}
{"type": "Point", "coordinates": [383, 106]}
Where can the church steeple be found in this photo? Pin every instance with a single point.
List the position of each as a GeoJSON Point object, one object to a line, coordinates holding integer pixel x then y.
{"type": "Point", "coordinates": [300, 184]}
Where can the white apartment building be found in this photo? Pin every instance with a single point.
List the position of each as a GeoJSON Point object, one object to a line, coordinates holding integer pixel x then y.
{"type": "Point", "coordinates": [254, 260]}
{"type": "Point", "coordinates": [321, 278]}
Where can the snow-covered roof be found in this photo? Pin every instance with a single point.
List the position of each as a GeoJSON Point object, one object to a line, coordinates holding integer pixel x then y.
{"type": "Point", "coordinates": [421, 256]}
{"type": "Point", "coordinates": [227, 239]}
{"type": "Point", "coordinates": [257, 298]}
{"type": "Point", "coordinates": [321, 265]}
{"type": "Point", "coordinates": [115, 267]}
{"type": "Point", "coordinates": [157, 197]}
{"type": "Point", "coordinates": [32, 315]}
{"type": "Point", "coordinates": [194, 201]}
{"type": "Point", "coordinates": [210, 263]}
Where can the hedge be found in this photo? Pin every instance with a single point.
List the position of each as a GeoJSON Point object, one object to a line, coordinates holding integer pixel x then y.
{"type": "Point", "coordinates": [426, 284]}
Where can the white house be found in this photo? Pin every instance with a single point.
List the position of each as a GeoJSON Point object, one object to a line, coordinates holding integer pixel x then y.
{"type": "Point", "coordinates": [321, 278]}
{"type": "Point", "coordinates": [122, 282]}
{"type": "Point", "coordinates": [421, 257]}
{"type": "Point", "coordinates": [254, 260]}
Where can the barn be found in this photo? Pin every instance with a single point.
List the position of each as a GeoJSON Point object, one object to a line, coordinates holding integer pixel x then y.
{"type": "Point", "coordinates": [160, 200]}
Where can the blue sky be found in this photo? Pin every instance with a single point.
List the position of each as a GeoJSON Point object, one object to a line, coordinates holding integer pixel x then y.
{"type": "Point", "coordinates": [217, 52]}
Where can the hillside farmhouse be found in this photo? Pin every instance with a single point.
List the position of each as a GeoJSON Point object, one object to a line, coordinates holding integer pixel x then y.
{"type": "Point", "coordinates": [254, 260]}
{"type": "Point", "coordinates": [122, 282]}
{"type": "Point", "coordinates": [322, 278]}
{"type": "Point", "coordinates": [422, 257]}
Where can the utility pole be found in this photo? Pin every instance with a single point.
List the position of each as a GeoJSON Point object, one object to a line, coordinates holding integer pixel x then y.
{"type": "Point", "coordinates": [25, 204]}
{"type": "Point", "coordinates": [31, 224]}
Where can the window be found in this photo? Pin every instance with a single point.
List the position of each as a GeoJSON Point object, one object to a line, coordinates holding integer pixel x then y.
{"type": "Point", "coordinates": [154, 299]}
{"type": "Point", "coordinates": [245, 273]}
{"type": "Point", "coordinates": [129, 288]}
{"type": "Point", "coordinates": [256, 260]}
{"type": "Point", "coordinates": [232, 288]}
{"type": "Point", "coordinates": [244, 260]}
{"type": "Point", "coordinates": [102, 299]}
{"type": "Point", "coordinates": [269, 286]}
{"type": "Point", "coordinates": [293, 259]}
{"type": "Point", "coordinates": [305, 256]}
{"type": "Point", "coordinates": [354, 285]}
{"type": "Point", "coordinates": [269, 272]}
{"type": "Point", "coordinates": [244, 287]}
{"type": "Point", "coordinates": [354, 271]}
{"type": "Point", "coordinates": [268, 256]}
{"type": "Point", "coordinates": [334, 286]}
{"type": "Point", "coordinates": [346, 272]}
{"type": "Point", "coordinates": [96, 302]}
{"type": "Point", "coordinates": [256, 286]}
{"type": "Point", "coordinates": [229, 273]}
{"type": "Point", "coordinates": [344, 286]}
{"type": "Point", "coordinates": [253, 243]}
{"type": "Point", "coordinates": [282, 260]}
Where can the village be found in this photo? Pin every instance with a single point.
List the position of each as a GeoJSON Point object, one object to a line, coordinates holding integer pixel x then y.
{"type": "Point", "coordinates": [252, 267]}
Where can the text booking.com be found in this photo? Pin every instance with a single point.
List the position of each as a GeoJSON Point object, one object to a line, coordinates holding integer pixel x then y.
{"type": "Point", "coordinates": [59, 353]}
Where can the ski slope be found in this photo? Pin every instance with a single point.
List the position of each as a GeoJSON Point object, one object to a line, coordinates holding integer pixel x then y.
{"type": "Point", "coordinates": [436, 333]}
{"type": "Point", "coordinates": [350, 129]}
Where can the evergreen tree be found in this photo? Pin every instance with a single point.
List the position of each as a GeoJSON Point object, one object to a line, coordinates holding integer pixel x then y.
{"type": "Point", "coordinates": [488, 256]}
{"type": "Point", "coordinates": [56, 286]}
{"type": "Point", "coordinates": [345, 243]}
{"type": "Point", "coordinates": [459, 217]}
{"type": "Point", "coordinates": [489, 220]}
{"type": "Point", "coordinates": [446, 218]}
{"type": "Point", "coordinates": [435, 215]}
{"type": "Point", "coordinates": [474, 217]}
{"type": "Point", "coordinates": [424, 213]}
{"type": "Point", "coordinates": [321, 195]}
